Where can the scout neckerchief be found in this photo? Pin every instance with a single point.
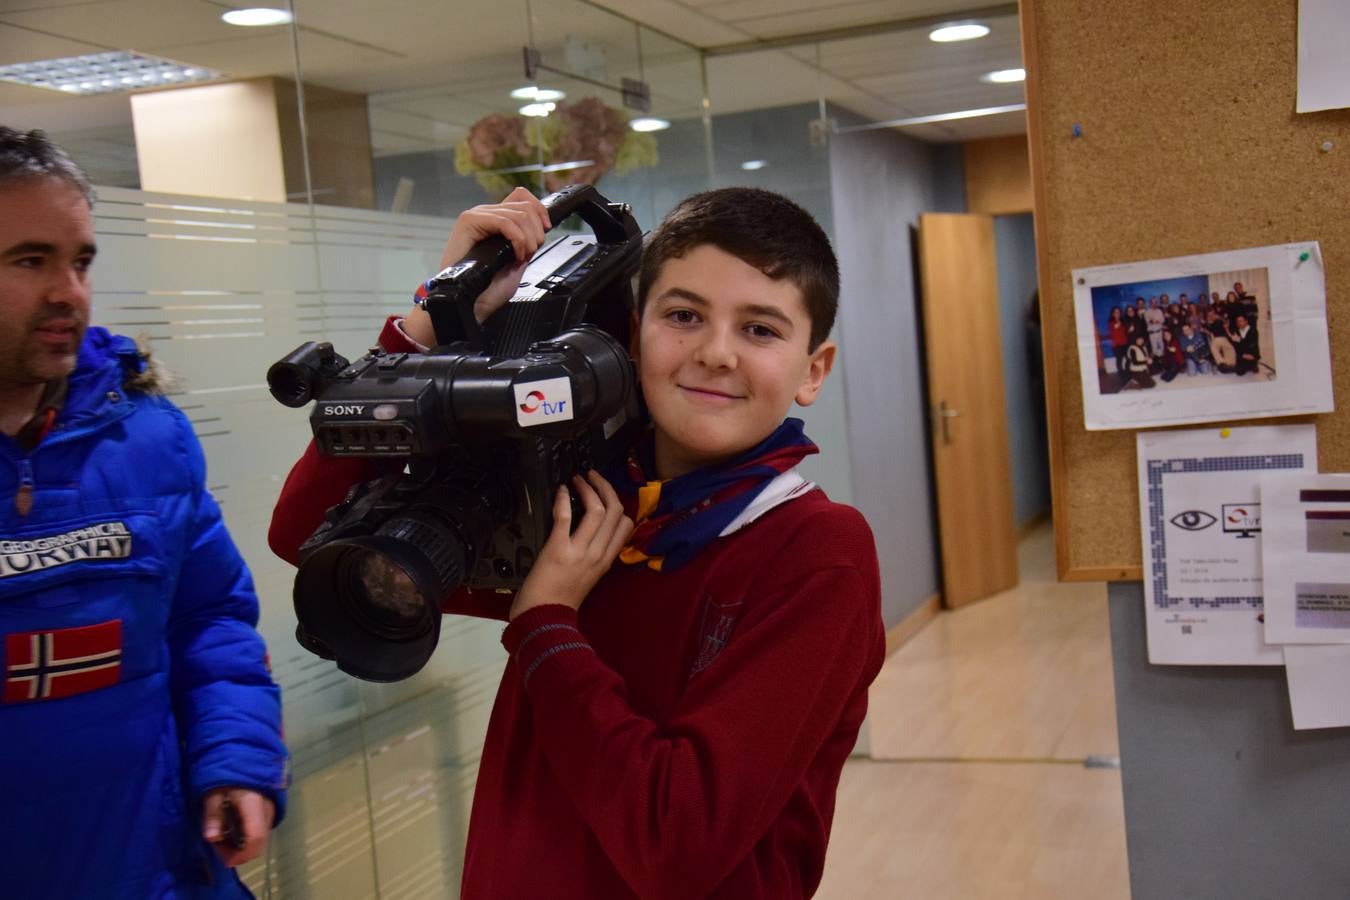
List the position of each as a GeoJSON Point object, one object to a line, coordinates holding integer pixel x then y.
{"type": "Point", "coordinates": [679, 517]}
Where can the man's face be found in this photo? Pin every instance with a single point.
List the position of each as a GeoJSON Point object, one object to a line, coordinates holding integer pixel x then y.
{"type": "Point", "coordinates": [722, 354]}
{"type": "Point", "coordinates": [1237, 288]}
{"type": "Point", "coordinates": [1241, 322]}
{"type": "Point", "coordinates": [46, 248]}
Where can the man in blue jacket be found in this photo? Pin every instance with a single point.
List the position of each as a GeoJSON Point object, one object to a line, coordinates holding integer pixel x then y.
{"type": "Point", "coordinates": [140, 741]}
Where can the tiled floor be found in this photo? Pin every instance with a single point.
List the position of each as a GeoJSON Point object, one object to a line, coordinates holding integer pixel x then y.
{"type": "Point", "coordinates": [980, 728]}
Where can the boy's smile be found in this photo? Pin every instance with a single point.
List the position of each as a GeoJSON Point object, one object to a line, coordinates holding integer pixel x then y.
{"type": "Point", "coordinates": [722, 354]}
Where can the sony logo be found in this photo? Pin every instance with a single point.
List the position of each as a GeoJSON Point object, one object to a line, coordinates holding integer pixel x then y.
{"type": "Point", "coordinates": [343, 410]}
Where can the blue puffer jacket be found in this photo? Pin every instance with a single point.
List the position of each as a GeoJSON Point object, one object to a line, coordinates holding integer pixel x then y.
{"type": "Point", "coordinates": [134, 678]}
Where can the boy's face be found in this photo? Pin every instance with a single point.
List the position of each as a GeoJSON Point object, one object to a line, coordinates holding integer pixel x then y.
{"type": "Point", "coordinates": [722, 354]}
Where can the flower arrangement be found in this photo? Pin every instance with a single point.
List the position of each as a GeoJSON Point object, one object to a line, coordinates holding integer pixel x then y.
{"type": "Point", "coordinates": [503, 151]}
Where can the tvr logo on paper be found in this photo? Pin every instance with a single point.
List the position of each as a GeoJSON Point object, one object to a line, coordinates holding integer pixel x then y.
{"type": "Point", "coordinates": [538, 402]}
{"type": "Point", "coordinates": [1242, 519]}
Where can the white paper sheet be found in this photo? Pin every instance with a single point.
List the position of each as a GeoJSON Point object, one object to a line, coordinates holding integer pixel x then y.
{"type": "Point", "coordinates": [1199, 505]}
{"type": "Point", "coordinates": [1305, 557]}
{"type": "Point", "coordinates": [1319, 675]}
{"type": "Point", "coordinates": [1323, 63]}
{"type": "Point", "coordinates": [1279, 290]}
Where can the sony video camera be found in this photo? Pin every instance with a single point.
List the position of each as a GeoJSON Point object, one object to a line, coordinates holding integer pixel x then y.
{"type": "Point", "coordinates": [490, 422]}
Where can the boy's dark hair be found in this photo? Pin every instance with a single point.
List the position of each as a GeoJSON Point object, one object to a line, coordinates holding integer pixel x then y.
{"type": "Point", "coordinates": [27, 154]}
{"type": "Point", "coordinates": [760, 228]}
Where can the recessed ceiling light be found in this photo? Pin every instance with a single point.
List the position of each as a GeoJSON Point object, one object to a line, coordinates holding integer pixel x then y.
{"type": "Point", "coordinates": [537, 109]}
{"type": "Point", "coordinates": [537, 94]}
{"type": "Point", "coordinates": [104, 73]}
{"type": "Point", "coordinates": [648, 123]}
{"type": "Point", "coordinates": [958, 31]}
{"type": "Point", "coordinates": [1005, 76]}
{"type": "Point", "coordinates": [751, 165]}
{"type": "Point", "coordinates": [257, 16]}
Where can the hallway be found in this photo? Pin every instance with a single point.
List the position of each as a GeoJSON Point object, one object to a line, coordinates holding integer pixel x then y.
{"type": "Point", "coordinates": [982, 730]}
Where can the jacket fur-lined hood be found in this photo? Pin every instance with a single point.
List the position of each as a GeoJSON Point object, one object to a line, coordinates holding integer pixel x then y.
{"type": "Point", "coordinates": [142, 373]}
{"type": "Point", "coordinates": [152, 377]}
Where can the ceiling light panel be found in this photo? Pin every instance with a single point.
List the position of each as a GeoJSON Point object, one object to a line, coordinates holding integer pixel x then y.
{"type": "Point", "coordinates": [648, 123]}
{"type": "Point", "coordinates": [257, 17]}
{"type": "Point", "coordinates": [958, 31]}
{"type": "Point", "coordinates": [105, 73]}
{"type": "Point", "coordinates": [537, 94]}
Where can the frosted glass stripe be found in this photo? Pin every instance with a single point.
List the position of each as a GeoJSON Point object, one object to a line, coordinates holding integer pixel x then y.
{"type": "Point", "coordinates": [221, 290]}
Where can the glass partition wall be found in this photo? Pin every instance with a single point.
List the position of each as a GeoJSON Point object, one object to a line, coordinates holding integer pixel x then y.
{"type": "Point", "coordinates": [295, 182]}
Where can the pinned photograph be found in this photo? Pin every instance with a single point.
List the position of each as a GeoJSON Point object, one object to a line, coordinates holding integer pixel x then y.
{"type": "Point", "coordinates": [1240, 334]}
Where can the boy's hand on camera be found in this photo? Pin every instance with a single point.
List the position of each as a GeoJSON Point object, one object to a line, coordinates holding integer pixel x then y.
{"type": "Point", "coordinates": [522, 220]}
{"type": "Point", "coordinates": [571, 562]}
{"type": "Point", "coordinates": [240, 835]}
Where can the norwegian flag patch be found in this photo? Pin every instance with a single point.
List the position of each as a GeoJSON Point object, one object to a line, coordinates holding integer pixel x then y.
{"type": "Point", "coordinates": [48, 665]}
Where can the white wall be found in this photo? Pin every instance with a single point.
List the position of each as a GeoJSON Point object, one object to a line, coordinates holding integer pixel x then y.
{"type": "Point", "coordinates": [881, 181]}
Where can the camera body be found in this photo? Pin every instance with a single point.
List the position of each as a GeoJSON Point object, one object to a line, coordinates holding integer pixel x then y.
{"type": "Point", "coordinates": [489, 423]}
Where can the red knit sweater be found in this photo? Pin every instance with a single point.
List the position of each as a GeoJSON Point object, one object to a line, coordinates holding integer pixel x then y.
{"type": "Point", "coordinates": [682, 735]}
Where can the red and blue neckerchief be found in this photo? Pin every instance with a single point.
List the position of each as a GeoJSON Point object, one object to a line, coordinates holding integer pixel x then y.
{"type": "Point", "coordinates": [679, 517]}
{"type": "Point", "coordinates": [423, 290]}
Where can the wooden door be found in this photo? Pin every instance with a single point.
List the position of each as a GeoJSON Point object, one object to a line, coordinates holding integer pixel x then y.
{"type": "Point", "coordinates": [959, 284]}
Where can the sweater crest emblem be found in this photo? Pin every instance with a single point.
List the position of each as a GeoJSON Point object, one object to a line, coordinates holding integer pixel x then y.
{"type": "Point", "coordinates": [719, 619]}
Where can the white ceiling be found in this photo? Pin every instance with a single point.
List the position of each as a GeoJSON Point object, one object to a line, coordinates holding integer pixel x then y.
{"type": "Point", "coordinates": [895, 73]}
{"type": "Point", "coordinates": [432, 67]}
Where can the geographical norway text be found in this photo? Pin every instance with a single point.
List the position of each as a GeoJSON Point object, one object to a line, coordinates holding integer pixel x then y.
{"type": "Point", "coordinates": [105, 540]}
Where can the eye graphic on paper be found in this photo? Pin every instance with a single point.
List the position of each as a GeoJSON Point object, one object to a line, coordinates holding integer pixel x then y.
{"type": "Point", "coordinates": [1193, 520]}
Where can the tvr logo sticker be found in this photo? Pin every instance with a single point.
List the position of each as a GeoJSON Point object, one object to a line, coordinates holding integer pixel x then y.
{"type": "Point", "coordinates": [1242, 519]}
{"type": "Point", "coordinates": [538, 402]}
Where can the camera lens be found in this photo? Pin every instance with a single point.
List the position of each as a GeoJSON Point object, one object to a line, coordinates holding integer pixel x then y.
{"type": "Point", "coordinates": [373, 602]}
{"type": "Point", "coordinates": [385, 591]}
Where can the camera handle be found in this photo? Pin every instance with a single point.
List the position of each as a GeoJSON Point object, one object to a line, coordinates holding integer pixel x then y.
{"type": "Point", "coordinates": [450, 297]}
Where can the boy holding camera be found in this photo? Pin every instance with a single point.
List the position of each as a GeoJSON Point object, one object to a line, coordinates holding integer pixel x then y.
{"type": "Point", "coordinates": [682, 693]}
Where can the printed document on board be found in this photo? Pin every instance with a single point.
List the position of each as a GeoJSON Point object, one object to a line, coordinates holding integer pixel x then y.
{"type": "Point", "coordinates": [1323, 66]}
{"type": "Point", "coordinates": [1200, 511]}
{"type": "Point", "coordinates": [1318, 675]}
{"type": "Point", "coordinates": [1306, 558]}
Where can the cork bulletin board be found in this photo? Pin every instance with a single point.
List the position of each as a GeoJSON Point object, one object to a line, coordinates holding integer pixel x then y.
{"type": "Point", "coordinates": [1161, 129]}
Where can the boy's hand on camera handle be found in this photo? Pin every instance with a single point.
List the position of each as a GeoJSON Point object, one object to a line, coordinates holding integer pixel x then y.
{"type": "Point", "coordinates": [522, 220]}
{"type": "Point", "coordinates": [571, 562]}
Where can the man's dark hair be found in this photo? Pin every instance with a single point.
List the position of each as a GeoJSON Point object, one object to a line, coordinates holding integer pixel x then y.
{"type": "Point", "coordinates": [760, 228]}
{"type": "Point", "coordinates": [29, 154]}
